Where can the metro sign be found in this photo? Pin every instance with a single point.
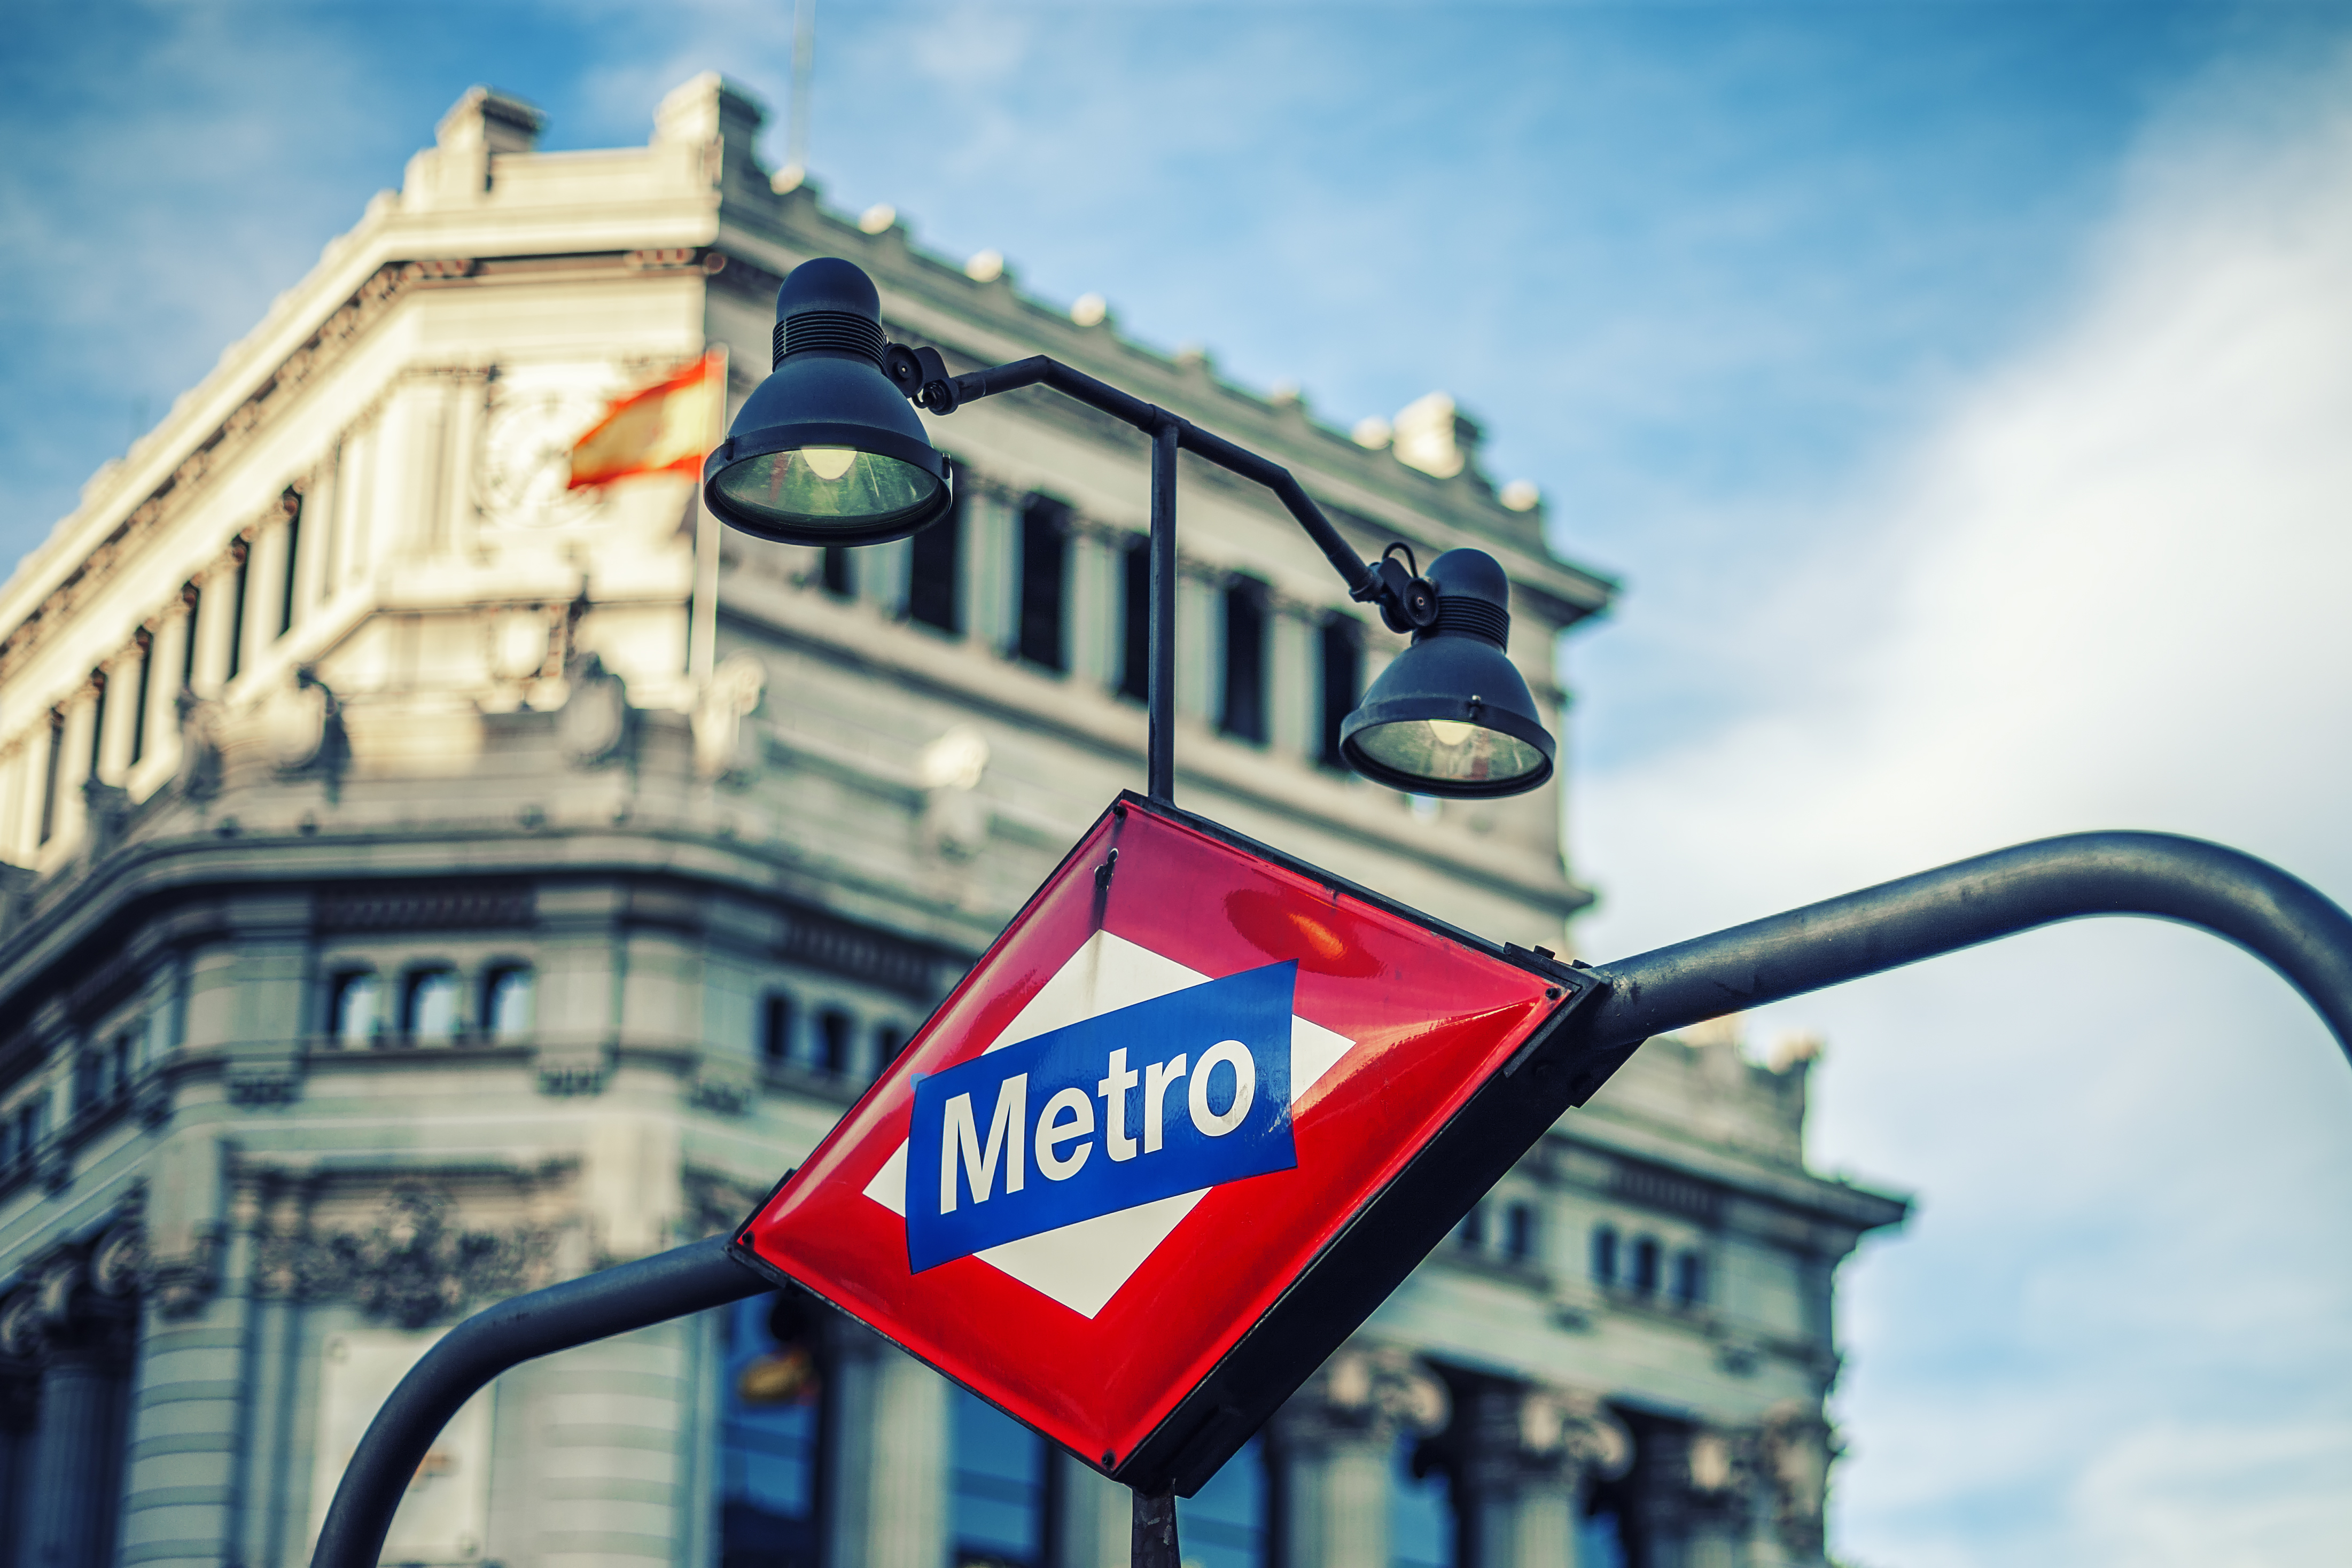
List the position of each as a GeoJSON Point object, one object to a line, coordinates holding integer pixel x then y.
{"type": "Point", "coordinates": [1192, 1117]}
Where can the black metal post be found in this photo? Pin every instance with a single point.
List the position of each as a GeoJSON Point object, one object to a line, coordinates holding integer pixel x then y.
{"type": "Point", "coordinates": [2285, 922]}
{"type": "Point", "coordinates": [613, 1300]}
{"type": "Point", "coordinates": [1151, 1538]}
{"type": "Point", "coordinates": [1159, 753]}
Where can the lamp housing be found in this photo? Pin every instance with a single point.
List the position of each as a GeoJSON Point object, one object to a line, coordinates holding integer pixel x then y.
{"type": "Point", "coordinates": [828, 451]}
{"type": "Point", "coordinates": [1452, 715]}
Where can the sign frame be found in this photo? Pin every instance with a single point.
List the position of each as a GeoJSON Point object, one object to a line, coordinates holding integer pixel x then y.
{"type": "Point", "coordinates": [1374, 1249]}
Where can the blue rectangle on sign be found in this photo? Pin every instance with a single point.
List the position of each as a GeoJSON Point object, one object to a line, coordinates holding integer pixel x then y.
{"type": "Point", "coordinates": [1167, 1096]}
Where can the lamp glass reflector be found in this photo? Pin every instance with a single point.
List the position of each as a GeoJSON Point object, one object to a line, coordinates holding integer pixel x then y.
{"type": "Point", "coordinates": [812, 487]}
{"type": "Point", "coordinates": [1448, 751]}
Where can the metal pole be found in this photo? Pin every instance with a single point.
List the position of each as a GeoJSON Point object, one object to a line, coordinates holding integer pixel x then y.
{"type": "Point", "coordinates": [613, 1300]}
{"type": "Point", "coordinates": [1152, 1540]}
{"type": "Point", "coordinates": [1160, 755]}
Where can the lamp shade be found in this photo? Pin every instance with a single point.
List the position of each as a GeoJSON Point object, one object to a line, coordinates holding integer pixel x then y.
{"type": "Point", "coordinates": [1451, 714]}
{"type": "Point", "coordinates": [828, 451]}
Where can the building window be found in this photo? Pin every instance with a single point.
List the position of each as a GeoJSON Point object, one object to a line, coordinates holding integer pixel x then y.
{"type": "Point", "coordinates": [1244, 715]}
{"type": "Point", "coordinates": [428, 1005]}
{"type": "Point", "coordinates": [1135, 619]}
{"type": "Point", "coordinates": [1044, 567]}
{"type": "Point", "coordinates": [1690, 1278]}
{"type": "Point", "coordinates": [1644, 1282]}
{"type": "Point", "coordinates": [772, 1426]}
{"type": "Point", "coordinates": [50, 775]}
{"type": "Point", "coordinates": [1341, 653]}
{"type": "Point", "coordinates": [776, 1029]}
{"type": "Point", "coordinates": [832, 572]}
{"type": "Point", "coordinates": [1472, 1231]}
{"type": "Point", "coordinates": [27, 1127]}
{"type": "Point", "coordinates": [1605, 1255]}
{"type": "Point", "coordinates": [354, 1009]}
{"type": "Point", "coordinates": [1519, 1232]}
{"type": "Point", "coordinates": [836, 1035]}
{"type": "Point", "coordinates": [931, 571]}
{"type": "Point", "coordinates": [194, 598]}
{"type": "Point", "coordinates": [89, 1080]}
{"type": "Point", "coordinates": [97, 721]}
{"type": "Point", "coordinates": [888, 1041]}
{"type": "Point", "coordinates": [1228, 1522]}
{"type": "Point", "coordinates": [293, 561]}
{"type": "Point", "coordinates": [1421, 1530]}
{"type": "Point", "coordinates": [997, 1502]}
{"type": "Point", "coordinates": [509, 997]}
{"type": "Point", "coordinates": [236, 611]}
{"type": "Point", "coordinates": [139, 702]}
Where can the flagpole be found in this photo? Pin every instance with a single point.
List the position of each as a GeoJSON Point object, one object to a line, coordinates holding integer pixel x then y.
{"type": "Point", "coordinates": [702, 615]}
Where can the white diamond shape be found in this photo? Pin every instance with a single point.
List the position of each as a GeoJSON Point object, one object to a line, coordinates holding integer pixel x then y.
{"type": "Point", "coordinates": [1082, 1266]}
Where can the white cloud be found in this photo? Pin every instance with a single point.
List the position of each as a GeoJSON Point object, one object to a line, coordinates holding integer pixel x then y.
{"type": "Point", "coordinates": [2108, 589]}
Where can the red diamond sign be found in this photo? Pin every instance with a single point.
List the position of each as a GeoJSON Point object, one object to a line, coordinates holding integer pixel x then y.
{"type": "Point", "coordinates": [1193, 1116]}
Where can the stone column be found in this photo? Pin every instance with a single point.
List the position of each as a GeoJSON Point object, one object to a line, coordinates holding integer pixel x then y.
{"type": "Point", "coordinates": [1525, 1453]}
{"type": "Point", "coordinates": [1695, 1500]}
{"type": "Point", "coordinates": [889, 1486]}
{"type": "Point", "coordinates": [79, 1324]}
{"type": "Point", "coordinates": [1335, 1442]}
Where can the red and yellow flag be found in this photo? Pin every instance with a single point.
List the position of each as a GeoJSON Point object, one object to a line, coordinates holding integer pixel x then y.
{"type": "Point", "coordinates": [666, 428]}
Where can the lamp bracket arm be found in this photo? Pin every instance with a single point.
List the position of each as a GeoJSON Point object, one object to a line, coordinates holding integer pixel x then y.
{"type": "Point", "coordinates": [1405, 602]}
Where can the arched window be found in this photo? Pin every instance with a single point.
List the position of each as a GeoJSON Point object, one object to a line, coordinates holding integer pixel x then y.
{"type": "Point", "coordinates": [836, 1034]}
{"type": "Point", "coordinates": [428, 1005]}
{"type": "Point", "coordinates": [1472, 1231]}
{"type": "Point", "coordinates": [1519, 1232]}
{"type": "Point", "coordinates": [1690, 1278]}
{"type": "Point", "coordinates": [776, 1029]}
{"type": "Point", "coordinates": [509, 999]}
{"type": "Point", "coordinates": [1645, 1266]}
{"type": "Point", "coordinates": [888, 1041]}
{"type": "Point", "coordinates": [354, 1009]}
{"type": "Point", "coordinates": [1605, 1255]}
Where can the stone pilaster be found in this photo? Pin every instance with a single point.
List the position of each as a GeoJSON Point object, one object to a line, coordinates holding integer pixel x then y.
{"type": "Point", "coordinates": [1525, 1455]}
{"type": "Point", "coordinates": [1335, 1442]}
{"type": "Point", "coordinates": [75, 1322]}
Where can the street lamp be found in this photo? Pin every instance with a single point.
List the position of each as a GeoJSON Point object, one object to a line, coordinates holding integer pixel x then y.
{"type": "Point", "coordinates": [828, 452]}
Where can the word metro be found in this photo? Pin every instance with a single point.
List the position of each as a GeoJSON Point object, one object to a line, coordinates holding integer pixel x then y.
{"type": "Point", "coordinates": [1168, 1096]}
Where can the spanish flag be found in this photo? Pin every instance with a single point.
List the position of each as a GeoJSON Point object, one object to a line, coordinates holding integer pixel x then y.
{"type": "Point", "coordinates": [666, 428]}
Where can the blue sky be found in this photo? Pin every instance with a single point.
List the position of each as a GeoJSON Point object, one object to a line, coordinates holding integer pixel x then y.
{"type": "Point", "coordinates": [1955, 386]}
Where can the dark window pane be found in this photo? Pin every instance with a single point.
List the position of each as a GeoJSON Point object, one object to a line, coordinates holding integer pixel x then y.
{"type": "Point", "coordinates": [1245, 616]}
{"type": "Point", "coordinates": [836, 1031]}
{"type": "Point", "coordinates": [293, 565]}
{"type": "Point", "coordinates": [1343, 660]}
{"type": "Point", "coordinates": [888, 1041]}
{"type": "Point", "coordinates": [1605, 1255]}
{"type": "Point", "coordinates": [1135, 627]}
{"type": "Point", "coordinates": [833, 571]}
{"type": "Point", "coordinates": [1519, 1232]}
{"type": "Point", "coordinates": [1690, 1278]}
{"type": "Point", "coordinates": [1226, 1524]}
{"type": "Point", "coordinates": [1473, 1232]}
{"type": "Point", "coordinates": [1421, 1513]}
{"type": "Point", "coordinates": [139, 709]}
{"type": "Point", "coordinates": [96, 724]}
{"type": "Point", "coordinates": [1045, 552]}
{"type": "Point", "coordinates": [1645, 1266]}
{"type": "Point", "coordinates": [996, 1506]}
{"type": "Point", "coordinates": [931, 571]}
{"type": "Point", "coordinates": [236, 616]}
{"type": "Point", "coordinates": [196, 599]}
{"type": "Point", "coordinates": [770, 1437]}
{"type": "Point", "coordinates": [776, 1029]}
{"type": "Point", "coordinates": [49, 775]}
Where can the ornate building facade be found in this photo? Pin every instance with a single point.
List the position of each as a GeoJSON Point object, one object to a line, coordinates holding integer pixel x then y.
{"type": "Point", "coordinates": [420, 882]}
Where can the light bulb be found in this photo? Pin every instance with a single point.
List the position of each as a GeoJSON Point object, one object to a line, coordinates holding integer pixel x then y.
{"type": "Point", "coordinates": [1450, 732]}
{"type": "Point", "coordinates": [829, 461]}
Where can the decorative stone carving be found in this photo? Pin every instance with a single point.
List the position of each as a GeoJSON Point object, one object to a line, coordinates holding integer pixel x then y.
{"type": "Point", "coordinates": [1793, 1448]}
{"type": "Point", "coordinates": [303, 724]}
{"type": "Point", "coordinates": [955, 818]}
{"type": "Point", "coordinates": [200, 746]}
{"type": "Point", "coordinates": [593, 725]}
{"type": "Point", "coordinates": [108, 808]}
{"type": "Point", "coordinates": [414, 1266]}
{"type": "Point", "coordinates": [716, 1204]}
{"type": "Point", "coordinates": [1367, 1392]}
{"type": "Point", "coordinates": [724, 746]}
